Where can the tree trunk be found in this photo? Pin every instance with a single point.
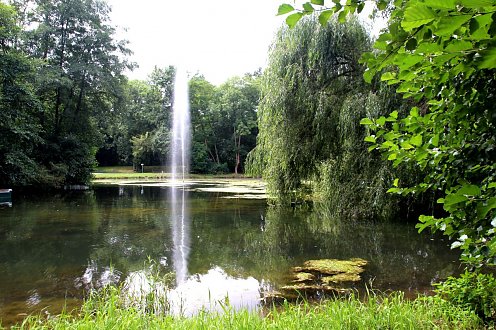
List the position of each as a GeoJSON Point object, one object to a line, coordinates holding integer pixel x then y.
{"type": "Point", "coordinates": [238, 158]}
{"type": "Point", "coordinates": [216, 154]}
{"type": "Point", "coordinates": [58, 100]}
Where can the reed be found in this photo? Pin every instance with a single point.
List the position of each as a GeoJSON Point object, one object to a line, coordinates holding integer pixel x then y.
{"type": "Point", "coordinates": [105, 310]}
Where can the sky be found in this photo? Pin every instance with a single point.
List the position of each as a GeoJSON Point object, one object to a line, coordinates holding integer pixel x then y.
{"type": "Point", "coordinates": [217, 38]}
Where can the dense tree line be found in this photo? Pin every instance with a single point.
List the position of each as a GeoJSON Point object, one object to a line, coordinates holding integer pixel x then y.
{"type": "Point", "coordinates": [65, 101]}
{"type": "Point", "coordinates": [223, 121]}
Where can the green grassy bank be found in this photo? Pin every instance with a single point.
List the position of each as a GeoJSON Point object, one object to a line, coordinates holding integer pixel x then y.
{"type": "Point", "coordinates": [150, 172]}
{"type": "Point", "coordinates": [104, 311]}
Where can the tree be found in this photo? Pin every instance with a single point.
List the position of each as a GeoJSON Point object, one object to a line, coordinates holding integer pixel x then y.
{"type": "Point", "coordinates": [137, 131]}
{"type": "Point", "coordinates": [203, 118]}
{"type": "Point", "coordinates": [236, 102]}
{"type": "Point", "coordinates": [441, 54]}
{"type": "Point", "coordinates": [313, 97]}
{"type": "Point", "coordinates": [19, 108]}
{"type": "Point", "coordinates": [80, 79]}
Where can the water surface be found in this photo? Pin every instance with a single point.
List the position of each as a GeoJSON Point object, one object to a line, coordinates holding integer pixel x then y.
{"type": "Point", "coordinates": [55, 248]}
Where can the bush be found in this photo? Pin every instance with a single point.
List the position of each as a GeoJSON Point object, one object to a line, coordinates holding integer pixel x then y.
{"type": "Point", "coordinates": [472, 290]}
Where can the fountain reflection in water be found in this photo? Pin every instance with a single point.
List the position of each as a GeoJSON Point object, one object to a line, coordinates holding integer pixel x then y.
{"type": "Point", "coordinates": [180, 167]}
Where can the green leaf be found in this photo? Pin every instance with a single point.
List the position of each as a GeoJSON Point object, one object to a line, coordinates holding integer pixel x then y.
{"type": "Point", "coordinates": [284, 9]}
{"type": "Point", "coordinates": [392, 156]}
{"type": "Point", "coordinates": [394, 114]}
{"type": "Point", "coordinates": [435, 140]}
{"type": "Point", "coordinates": [406, 61]}
{"type": "Point", "coordinates": [484, 208]}
{"type": "Point", "coordinates": [369, 74]}
{"type": "Point", "coordinates": [417, 15]}
{"type": "Point", "coordinates": [292, 19]}
{"type": "Point", "coordinates": [469, 190]}
{"type": "Point", "coordinates": [394, 191]}
{"type": "Point", "coordinates": [370, 139]}
{"type": "Point", "coordinates": [458, 46]}
{"type": "Point", "coordinates": [325, 16]}
{"type": "Point", "coordinates": [476, 3]}
{"type": "Point", "coordinates": [416, 140]}
{"type": "Point", "coordinates": [366, 121]}
{"type": "Point", "coordinates": [395, 182]}
{"type": "Point", "coordinates": [453, 199]}
{"type": "Point", "coordinates": [488, 57]}
{"type": "Point", "coordinates": [447, 25]}
{"type": "Point", "coordinates": [342, 16]}
{"type": "Point", "coordinates": [317, 2]}
{"type": "Point", "coordinates": [406, 146]}
{"type": "Point", "coordinates": [441, 4]}
{"type": "Point", "coordinates": [388, 76]}
{"type": "Point", "coordinates": [307, 7]}
{"type": "Point", "coordinates": [381, 121]}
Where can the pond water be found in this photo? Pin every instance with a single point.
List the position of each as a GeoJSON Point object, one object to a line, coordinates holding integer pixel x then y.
{"type": "Point", "coordinates": [55, 248]}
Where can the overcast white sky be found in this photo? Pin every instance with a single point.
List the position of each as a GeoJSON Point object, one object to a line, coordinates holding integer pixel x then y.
{"type": "Point", "coordinates": [218, 38]}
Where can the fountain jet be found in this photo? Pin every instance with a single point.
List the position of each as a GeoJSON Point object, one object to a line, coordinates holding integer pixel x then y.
{"type": "Point", "coordinates": [180, 168]}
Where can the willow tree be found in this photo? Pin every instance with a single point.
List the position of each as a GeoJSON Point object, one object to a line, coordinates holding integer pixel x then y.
{"type": "Point", "coordinates": [313, 97]}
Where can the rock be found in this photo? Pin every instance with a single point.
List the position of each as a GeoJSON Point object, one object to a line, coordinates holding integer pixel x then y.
{"type": "Point", "coordinates": [303, 277]}
{"type": "Point", "coordinates": [303, 289]}
{"type": "Point", "coordinates": [317, 278]}
{"type": "Point", "coordinates": [332, 266]}
{"type": "Point", "coordinates": [340, 278]}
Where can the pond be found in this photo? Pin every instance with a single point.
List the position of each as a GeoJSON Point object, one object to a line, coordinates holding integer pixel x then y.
{"type": "Point", "coordinates": [55, 248]}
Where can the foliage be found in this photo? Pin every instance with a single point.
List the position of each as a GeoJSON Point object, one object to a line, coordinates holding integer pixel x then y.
{"type": "Point", "coordinates": [471, 290]}
{"type": "Point", "coordinates": [61, 72]}
{"type": "Point", "coordinates": [236, 102]}
{"type": "Point", "coordinates": [139, 129]}
{"type": "Point", "coordinates": [313, 97]}
{"type": "Point", "coordinates": [223, 122]}
{"type": "Point", "coordinates": [104, 311]}
{"type": "Point", "coordinates": [442, 55]}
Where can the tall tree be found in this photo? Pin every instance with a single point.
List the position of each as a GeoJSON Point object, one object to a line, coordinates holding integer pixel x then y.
{"type": "Point", "coordinates": [237, 101]}
{"type": "Point", "coordinates": [313, 97]}
{"type": "Point", "coordinates": [80, 78]}
{"type": "Point", "coordinates": [19, 108]}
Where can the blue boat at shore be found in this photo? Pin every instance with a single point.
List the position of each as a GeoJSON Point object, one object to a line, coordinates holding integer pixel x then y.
{"type": "Point", "coordinates": [6, 197]}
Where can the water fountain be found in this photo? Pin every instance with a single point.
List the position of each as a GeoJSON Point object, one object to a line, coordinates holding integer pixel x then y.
{"type": "Point", "coordinates": [180, 154]}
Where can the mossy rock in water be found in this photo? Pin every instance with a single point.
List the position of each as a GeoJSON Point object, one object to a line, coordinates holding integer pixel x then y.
{"type": "Point", "coordinates": [317, 277]}
{"type": "Point", "coordinates": [340, 278]}
{"type": "Point", "coordinates": [302, 277]}
{"type": "Point", "coordinates": [332, 266]}
{"type": "Point", "coordinates": [304, 288]}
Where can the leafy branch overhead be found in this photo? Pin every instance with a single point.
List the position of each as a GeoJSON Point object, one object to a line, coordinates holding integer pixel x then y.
{"type": "Point", "coordinates": [442, 55]}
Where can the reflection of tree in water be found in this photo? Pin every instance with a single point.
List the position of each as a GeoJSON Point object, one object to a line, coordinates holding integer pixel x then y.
{"type": "Point", "coordinates": [399, 257]}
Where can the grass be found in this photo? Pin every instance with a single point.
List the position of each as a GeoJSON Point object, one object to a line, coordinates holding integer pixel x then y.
{"type": "Point", "coordinates": [105, 311]}
{"type": "Point", "coordinates": [150, 172]}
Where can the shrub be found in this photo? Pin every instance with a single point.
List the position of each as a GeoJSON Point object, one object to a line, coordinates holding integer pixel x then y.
{"type": "Point", "coordinates": [472, 290]}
